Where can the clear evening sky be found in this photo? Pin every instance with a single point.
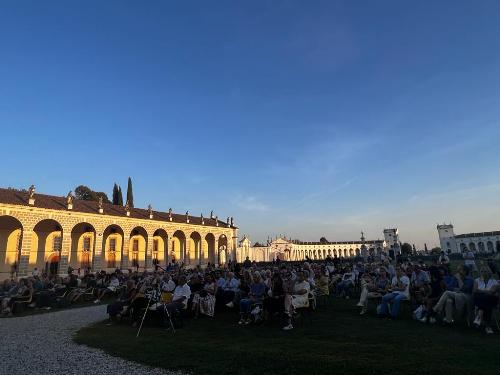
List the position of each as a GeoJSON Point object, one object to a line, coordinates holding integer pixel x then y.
{"type": "Point", "coordinates": [304, 118]}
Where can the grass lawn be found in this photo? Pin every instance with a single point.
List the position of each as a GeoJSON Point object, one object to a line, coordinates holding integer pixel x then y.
{"type": "Point", "coordinates": [337, 340]}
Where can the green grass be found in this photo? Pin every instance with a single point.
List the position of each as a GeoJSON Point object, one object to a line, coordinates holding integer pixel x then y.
{"type": "Point", "coordinates": [337, 340]}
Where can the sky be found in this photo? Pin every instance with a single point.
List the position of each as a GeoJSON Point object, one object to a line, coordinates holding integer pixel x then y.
{"type": "Point", "coordinates": [300, 118]}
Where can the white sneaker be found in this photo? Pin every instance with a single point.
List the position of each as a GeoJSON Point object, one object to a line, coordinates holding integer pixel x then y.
{"type": "Point", "coordinates": [241, 321]}
{"type": "Point", "coordinates": [360, 304]}
{"type": "Point", "coordinates": [477, 321]}
{"type": "Point", "coordinates": [230, 305]}
{"type": "Point", "coordinates": [363, 312]}
{"type": "Point", "coordinates": [423, 320]}
{"type": "Point", "coordinates": [288, 327]}
{"type": "Point", "coordinates": [97, 301]}
{"type": "Point", "coordinates": [488, 330]}
{"type": "Point", "coordinates": [432, 320]}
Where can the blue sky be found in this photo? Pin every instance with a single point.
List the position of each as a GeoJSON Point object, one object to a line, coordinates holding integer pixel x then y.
{"type": "Point", "coordinates": [297, 118]}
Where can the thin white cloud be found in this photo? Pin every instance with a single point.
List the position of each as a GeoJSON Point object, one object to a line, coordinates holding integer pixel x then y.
{"type": "Point", "coordinates": [250, 203]}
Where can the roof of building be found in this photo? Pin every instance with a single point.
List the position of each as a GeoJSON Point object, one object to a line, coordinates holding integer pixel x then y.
{"type": "Point", "coordinates": [479, 234]}
{"type": "Point", "coordinates": [338, 242]}
{"type": "Point", "coordinates": [51, 202]}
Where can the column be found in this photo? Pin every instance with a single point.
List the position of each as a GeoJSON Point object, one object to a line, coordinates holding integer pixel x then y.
{"type": "Point", "coordinates": [22, 267]}
{"type": "Point", "coordinates": [216, 252]}
{"type": "Point", "coordinates": [97, 258]}
{"type": "Point", "coordinates": [63, 257]}
{"type": "Point", "coordinates": [187, 251]}
{"type": "Point", "coordinates": [149, 253]}
{"type": "Point", "coordinates": [124, 263]}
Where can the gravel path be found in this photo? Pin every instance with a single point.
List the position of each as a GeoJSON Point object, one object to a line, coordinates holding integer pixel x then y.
{"type": "Point", "coordinates": [42, 344]}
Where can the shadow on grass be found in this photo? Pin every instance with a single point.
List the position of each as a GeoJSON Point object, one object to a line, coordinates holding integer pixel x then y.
{"type": "Point", "coordinates": [337, 340]}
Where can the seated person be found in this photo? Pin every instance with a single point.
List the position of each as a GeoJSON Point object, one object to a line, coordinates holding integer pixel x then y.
{"type": "Point", "coordinates": [458, 292]}
{"type": "Point", "coordinates": [485, 299]}
{"type": "Point", "coordinates": [345, 286]}
{"type": "Point", "coordinates": [322, 283]}
{"type": "Point", "coordinates": [419, 285]}
{"type": "Point", "coordinates": [275, 302]}
{"type": "Point", "coordinates": [228, 290]}
{"type": "Point", "coordinates": [180, 299]}
{"type": "Point", "coordinates": [18, 293]}
{"type": "Point", "coordinates": [111, 288]}
{"type": "Point", "coordinates": [436, 288]}
{"type": "Point", "coordinates": [204, 301]}
{"type": "Point", "coordinates": [298, 298]}
{"type": "Point", "coordinates": [372, 287]}
{"type": "Point", "coordinates": [255, 296]}
{"type": "Point", "coordinates": [116, 309]}
{"type": "Point", "coordinates": [399, 291]}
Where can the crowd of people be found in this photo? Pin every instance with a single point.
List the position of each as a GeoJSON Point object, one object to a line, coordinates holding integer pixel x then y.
{"type": "Point", "coordinates": [278, 290]}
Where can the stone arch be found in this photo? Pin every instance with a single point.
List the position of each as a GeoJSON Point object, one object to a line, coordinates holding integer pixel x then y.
{"type": "Point", "coordinates": [210, 241]}
{"type": "Point", "coordinates": [472, 247]}
{"type": "Point", "coordinates": [83, 237]}
{"type": "Point", "coordinates": [480, 247]}
{"type": "Point", "coordinates": [490, 247]}
{"type": "Point", "coordinates": [194, 257]}
{"type": "Point", "coordinates": [160, 247]}
{"type": "Point", "coordinates": [358, 253]}
{"type": "Point", "coordinates": [137, 249]}
{"type": "Point", "coordinates": [463, 247]}
{"type": "Point", "coordinates": [223, 243]}
{"type": "Point", "coordinates": [47, 240]}
{"type": "Point", "coordinates": [11, 232]}
{"type": "Point", "coordinates": [178, 248]}
{"type": "Point", "coordinates": [112, 255]}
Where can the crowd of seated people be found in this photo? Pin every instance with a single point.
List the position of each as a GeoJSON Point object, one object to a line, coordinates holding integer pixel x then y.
{"type": "Point", "coordinates": [279, 290]}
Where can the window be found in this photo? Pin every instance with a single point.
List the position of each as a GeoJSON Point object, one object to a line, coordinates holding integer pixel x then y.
{"type": "Point", "coordinates": [112, 253]}
{"type": "Point", "coordinates": [85, 258]}
{"type": "Point", "coordinates": [57, 243]}
{"type": "Point", "coordinates": [86, 244]}
{"type": "Point", "coordinates": [155, 249]}
{"type": "Point", "coordinates": [135, 253]}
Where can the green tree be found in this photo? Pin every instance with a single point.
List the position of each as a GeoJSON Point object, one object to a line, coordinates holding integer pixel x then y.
{"type": "Point", "coordinates": [323, 240]}
{"type": "Point", "coordinates": [130, 193]}
{"type": "Point", "coordinates": [120, 196]}
{"type": "Point", "coordinates": [85, 193]}
{"type": "Point", "coordinates": [406, 248]}
{"type": "Point", "coordinates": [115, 194]}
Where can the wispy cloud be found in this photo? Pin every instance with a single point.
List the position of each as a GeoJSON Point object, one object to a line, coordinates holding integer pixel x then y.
{"type": "Point", "coordinates": [250, 203]}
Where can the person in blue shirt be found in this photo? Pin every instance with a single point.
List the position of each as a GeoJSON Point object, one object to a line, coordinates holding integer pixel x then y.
{"type": "Point", "coordinates": [458, 292]}
{"type": "Point", "coordinates": [256, 296]}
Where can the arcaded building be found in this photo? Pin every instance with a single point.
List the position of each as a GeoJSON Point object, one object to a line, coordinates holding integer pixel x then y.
{"type": "Point", "coordinates": [294, 250]}
{"type": "Point", "coordinates": [50, 233]}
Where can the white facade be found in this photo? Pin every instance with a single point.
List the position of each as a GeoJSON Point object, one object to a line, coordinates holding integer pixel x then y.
{"type": "Point", "coordinates": [293, 250]}
{"type": "Point", "coordinates": [482, 242]}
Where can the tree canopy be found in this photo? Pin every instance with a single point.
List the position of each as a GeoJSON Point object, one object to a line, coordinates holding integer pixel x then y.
{"type": "Point", "coordinates": [130, 193]}
{"type": "Point", "coordinates": [85, 193]}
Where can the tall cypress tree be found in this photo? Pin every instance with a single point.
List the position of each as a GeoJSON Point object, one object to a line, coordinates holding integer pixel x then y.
{"type": "Point", "coordinates": [115, 194]}
{"type": "Point", "coordinates": [130, 194]}
{"type": "Point", "coordinates": [120, 196]}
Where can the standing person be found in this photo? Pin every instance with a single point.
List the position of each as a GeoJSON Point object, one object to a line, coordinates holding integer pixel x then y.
{"type": "Point", "coordinates": [444, 260]}
{"type": "Point", "coordinates": [470, 262]}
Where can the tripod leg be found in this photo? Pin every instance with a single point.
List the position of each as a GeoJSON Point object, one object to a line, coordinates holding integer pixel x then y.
{"type": "Point", "coordinates": [143, 317]}
{"type": "Point", "coordinates": [169, 319]}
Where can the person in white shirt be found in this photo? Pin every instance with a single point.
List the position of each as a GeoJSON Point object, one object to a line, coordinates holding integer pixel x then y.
{"type": "Point", "coordinates": [470, 262]}
{"type": "Point", "coordinates": [167, 284]}
{"type": "Point", "coordinates": [180, 299]}
{"type": "Point", "coordinates": [298, 299]}
{"type": "Point", "coordinates": [485, 299]}
{"type": "Point", "coordinates": [400, 291]}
